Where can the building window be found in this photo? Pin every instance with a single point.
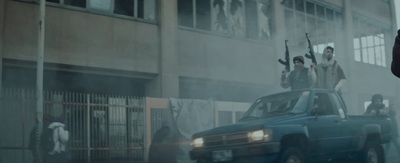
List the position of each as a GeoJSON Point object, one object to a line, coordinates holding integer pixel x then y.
{"type": "Point", "coordinates": [104, 5]}
{"type": "Point", "coordinates": [124, 7]}
{"type": "Point", "coordinates": [320, 22]}
{"type": "Point", "coordinates": [53, 1]}
{"type": "Point", "coordinates": [238, 18]}
{"type": "Point", "coordinates": [203, 10]}
{"type": "Point", "coordinates": [75, 3]}
{"type": "Point", "coordinates": [142, 9]}
{"type": "Point", "coordinates": [185, 13]}
{"type": "Point", "coordinates": [369, 43]}
{"type": "Point", "coordinates": [319, 48]}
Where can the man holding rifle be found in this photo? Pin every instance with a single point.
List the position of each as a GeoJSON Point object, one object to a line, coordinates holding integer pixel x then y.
{"type": "Point", "coordinates": [301, 77]}
{"type": "Point", "coordinates": [329, 74]}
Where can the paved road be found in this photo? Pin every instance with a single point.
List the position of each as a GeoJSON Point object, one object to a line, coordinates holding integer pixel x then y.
{"type": "Point", "coordinates": [111, 161]}
{"type": "Point", "coordinates": [392, 158]}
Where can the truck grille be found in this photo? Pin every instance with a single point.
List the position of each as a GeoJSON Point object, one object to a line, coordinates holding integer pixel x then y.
{"type": "Point", "coordinates": [226, 139]}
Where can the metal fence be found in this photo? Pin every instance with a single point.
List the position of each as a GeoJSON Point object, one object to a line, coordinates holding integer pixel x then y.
{"type": "Point", "coordinates": [101, 126]}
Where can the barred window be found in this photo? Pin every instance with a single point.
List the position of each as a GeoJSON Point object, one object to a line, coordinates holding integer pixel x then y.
{"type": "Point", "coordinates": [320, 22]}
{"type": "Point", "coordinates": [238, 18]}
{"type": "Point", "coordinates": [369, 42]}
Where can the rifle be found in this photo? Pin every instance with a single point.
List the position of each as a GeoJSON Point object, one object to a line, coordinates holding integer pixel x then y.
{"type": "Point", "coordinates": [311, 55]}
{"type": "Point", "coordinates": [287, 59]}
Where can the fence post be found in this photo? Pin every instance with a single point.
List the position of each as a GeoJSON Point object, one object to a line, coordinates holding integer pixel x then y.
{"type": "Point", "coordinates": [23, 123]}
{"type": "Point", "coordinates": [88, 127]}
{"type": "Point", "coordinates": [147, 127]}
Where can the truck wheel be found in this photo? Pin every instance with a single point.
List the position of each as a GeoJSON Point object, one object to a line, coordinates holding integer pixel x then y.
{"type": "Point", "coordinates": [372, 153]}
{"type": "Point", "coordinates": [291, 155]}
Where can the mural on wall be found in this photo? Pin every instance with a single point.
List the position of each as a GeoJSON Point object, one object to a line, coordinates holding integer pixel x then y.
{"type": "Point", "coordinates": [236, 17]}
{"type": "Point", "coordinates": [219, 20]}
{"type": "Point", "coordinates": [263, 10]}
{"type": "Point", "coordinates": [228, 16]}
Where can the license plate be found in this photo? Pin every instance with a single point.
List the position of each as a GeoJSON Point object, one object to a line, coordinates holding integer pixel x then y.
{"type": "Point", "coordinates": [222, 155]}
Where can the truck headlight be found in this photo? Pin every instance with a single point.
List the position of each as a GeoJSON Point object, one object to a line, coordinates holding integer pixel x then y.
{"type": "Point", "coordinates": [198, 142]}
{"type": "Point", "coordinates": [260, 135]}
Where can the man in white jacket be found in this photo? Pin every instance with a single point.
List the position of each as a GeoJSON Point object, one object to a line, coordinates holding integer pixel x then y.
{"type": "Point", "coordinates": [329, 74]}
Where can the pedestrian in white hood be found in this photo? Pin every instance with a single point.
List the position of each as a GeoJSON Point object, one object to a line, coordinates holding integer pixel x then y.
{"type": "Point", "coordinates": [60, 137]}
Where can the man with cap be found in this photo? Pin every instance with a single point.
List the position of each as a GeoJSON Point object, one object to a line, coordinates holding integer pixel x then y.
{"type": "Point", "coordinates": [377, 107]}
{"type": "Point", "coordinates": [300, 78]}
{"type": "Point", "coordinates": [329, 74]}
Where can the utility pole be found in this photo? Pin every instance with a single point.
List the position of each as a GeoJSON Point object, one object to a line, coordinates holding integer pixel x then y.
{"type": "Point", "coordinates": [39, 80]}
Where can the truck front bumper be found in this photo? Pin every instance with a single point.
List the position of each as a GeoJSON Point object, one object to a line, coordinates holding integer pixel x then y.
{"type": "Point", "coordinates": [260, 152]}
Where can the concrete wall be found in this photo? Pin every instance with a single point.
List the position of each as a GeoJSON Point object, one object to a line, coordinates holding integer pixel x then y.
{"type": "Point", "coordinates": [228, 59]}
{"type": "Point", "coordinates": [374, 9]}
{"type": "Point", "coordinates": [81, 39]}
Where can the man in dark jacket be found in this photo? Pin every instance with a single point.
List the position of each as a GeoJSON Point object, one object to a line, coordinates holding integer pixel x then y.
{"type": "Point", "coordinates": [300, 78]}
{"type": "Point", "coordinates": [396, 56]}
{"type": "Point", "coordinates": [164, 146]}
{"type": "Point", "coordinates": [45, 144]}
{"type": "Point", "coordinates": [377, 107]}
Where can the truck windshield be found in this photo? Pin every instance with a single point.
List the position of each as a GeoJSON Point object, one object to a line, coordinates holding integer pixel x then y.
{"type": "Point", "coordinates": [278, 105]}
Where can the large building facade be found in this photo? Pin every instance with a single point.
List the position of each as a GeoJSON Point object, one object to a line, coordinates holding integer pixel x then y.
{"type": "Point", "coordinates": [225, 50]}
{"type": "Point", "coordinates": [220, 49]}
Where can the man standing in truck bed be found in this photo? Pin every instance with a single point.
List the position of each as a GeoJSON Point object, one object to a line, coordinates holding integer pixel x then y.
{"type": "Point", "coordinates": [300, 78]}
{"type": "Point", "coordinates": [329, 74]}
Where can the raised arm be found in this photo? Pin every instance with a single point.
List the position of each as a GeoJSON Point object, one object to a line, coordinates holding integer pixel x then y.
{"type": "Point", "coordinates": [312, 75]}
{"type": "Point", "coordinates": [284, 79]}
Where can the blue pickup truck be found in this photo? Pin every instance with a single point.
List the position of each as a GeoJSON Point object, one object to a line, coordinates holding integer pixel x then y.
{"type": "Point", "coordinates": [295, 127]}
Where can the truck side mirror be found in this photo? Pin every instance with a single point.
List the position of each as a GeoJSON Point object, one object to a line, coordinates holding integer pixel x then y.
{"type": "Point", "coordinates": [341, 113]}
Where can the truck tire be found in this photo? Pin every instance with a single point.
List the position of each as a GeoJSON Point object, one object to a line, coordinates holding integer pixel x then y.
{"type": "Point", "coordinates": [291, 155]}
{"type": "Point", "coordinates": [372, 153]}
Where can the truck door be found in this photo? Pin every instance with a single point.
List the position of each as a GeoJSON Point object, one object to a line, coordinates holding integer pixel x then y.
{"type": "Point", "coordinates": [324, 126]}
{"type": "Point", "coordinates": [348, 140]}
